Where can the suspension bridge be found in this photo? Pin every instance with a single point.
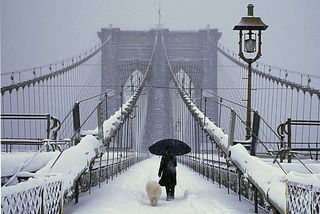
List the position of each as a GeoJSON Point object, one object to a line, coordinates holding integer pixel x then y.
{"type": "Point", "coordinates": [88, 118]}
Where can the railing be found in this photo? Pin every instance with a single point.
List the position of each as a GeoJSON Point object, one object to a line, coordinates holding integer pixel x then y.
{"type": "Point", "coordinates": [43, 195]}
{"type": "Point", "coordinates": [289, 147]}
{"type": "Point", "coordinates": [50, 127]}
{"type": "Point", "coordinates": [303, 198]}
{"type": "Point", "coordinates": [17, 140]}
{"type": "Point", "coordinates": [303, 193]}
{"type": "Point", "coordinates": [224, 173]}
{"type": "Point", "coordinates": [104, 171]}
{"type": "Point", "coordinates": [110, 141]}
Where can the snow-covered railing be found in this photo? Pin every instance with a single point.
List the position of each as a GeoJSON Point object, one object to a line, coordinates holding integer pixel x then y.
{"type": "Point", "coordinates": [222, 173]}
{"type": "Point", "coordinates": [215, 132]}
{"type": "Point", "coordinates": [74, 161]}
{"type": "Point", "coordinates": [37, 195]}
{"type": "Point", "coordinates": [111, 125]}
{"type": "Point", "coordinates": [303, 193]}
{"type": "Point", "coordinates": [269, 180]}
{"type": "Point", "coordinates": [71, 163]}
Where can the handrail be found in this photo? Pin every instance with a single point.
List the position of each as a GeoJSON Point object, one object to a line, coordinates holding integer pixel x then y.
{"type": "Point", "coordinates": [56, 125]}
{"type": "Point", "coordinates": [286, 129]}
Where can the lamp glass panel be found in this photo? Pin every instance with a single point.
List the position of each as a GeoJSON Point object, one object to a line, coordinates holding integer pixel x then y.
{"type": "Point", "coordinates": [250, 42]}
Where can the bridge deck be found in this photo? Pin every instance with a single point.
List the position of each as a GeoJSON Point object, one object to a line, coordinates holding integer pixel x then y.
{"type": "Point", "coordinates": [126, 194]}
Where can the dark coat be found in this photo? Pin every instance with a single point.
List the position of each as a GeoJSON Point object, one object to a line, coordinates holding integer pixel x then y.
{"type": "Point", "coordinates": [167, 170]}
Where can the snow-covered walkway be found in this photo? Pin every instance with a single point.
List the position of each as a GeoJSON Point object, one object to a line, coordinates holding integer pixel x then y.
{"type": "Point", "coordinates": [126, 194]}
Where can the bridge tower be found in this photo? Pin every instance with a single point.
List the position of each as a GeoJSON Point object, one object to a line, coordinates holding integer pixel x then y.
{"type": "Point", "coordinates": [187, 46]}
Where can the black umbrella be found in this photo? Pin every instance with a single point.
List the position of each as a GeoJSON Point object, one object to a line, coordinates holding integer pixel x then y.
{"type": "Point", "coordinates": [177, 147]}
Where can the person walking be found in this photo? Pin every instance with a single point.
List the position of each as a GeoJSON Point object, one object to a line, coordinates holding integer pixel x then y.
{"type": "Point", "coordinates": [167, 172]}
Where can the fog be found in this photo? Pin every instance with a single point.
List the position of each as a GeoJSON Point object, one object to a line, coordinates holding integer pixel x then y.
{"type": "Point", "coordinates": [37, 32]}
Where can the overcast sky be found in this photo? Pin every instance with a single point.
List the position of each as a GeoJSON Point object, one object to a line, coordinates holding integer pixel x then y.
{"type": "Point", "coordinates": [36, 32]}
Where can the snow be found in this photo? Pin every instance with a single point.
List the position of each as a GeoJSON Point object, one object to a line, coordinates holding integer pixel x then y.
{"type": "Point", "coordinates": [11, 162]}
{"type": "Point", "coordinates": [31, 184]}
{"type": "Point", "coordinates": [193, 195]}
{"type": "Point", "coordinates": [126, 194]}
{"type": "Point", "coordinates": [113, 123]}
{"type": "Point", "coordinates": [92, 132]}
{"type": "Point", "coordinates": [304, 179]}
{"type": "Point", "coordinates": [313, 165]}
{"type": "Point", "coordinates": [268, 178]}
{"type": "Point", "coordinates": [73, 161]}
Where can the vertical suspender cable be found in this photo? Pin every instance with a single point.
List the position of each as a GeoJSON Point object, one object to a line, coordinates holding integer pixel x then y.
{"type": "Point", "coordinates": [291, 103]}
{"type": "Point", "coordinates": [281, 106]}
{"type": "Point", "coordinates": [257, 90]}
{"type": "Point", "coordinates": [69, 87]}
{"type": "Point", "coordinates": [317, 140]}
{"type": "Point", "coordinates": [11, 122]}
{"type": "Point", "coordinates": [51, 97]}
{"type": "Point", "coordinates": [113, 151]}
{"type": "Point", "coordinates": [49, 108]}
{"type": "Point", "coordinates": [59, 97]}
{"type": "Point", "coordinates": [268, 107]}
{"type": "Point", "coordinates": [64, 93]}
{"type": "Point", "coordinates": [194, 144]}
{"type": "Point", "coordinates": [39, 109]}
{"type": "Point", "coordinates": [24, 111]}
{"type": "Point", "coordinates": [18, 122]}
{"type": "Point", "coordinates": [303, 110]}
{"type": "Point", "coordinates": [3, 125]}
{"type": "Point", "coordinates": [297, 111]}
{"type": "Point", "coordinates": [29, 110]}
{"type": "Point", "coordinates": [286, 101]}
{"type": "Point", "coordinates": [35, 110]}
{"type": "Point", "coordinates": [127, 145]}
{"type": "Point", "coordinates": [276, 108]}
{"type": "Point", "coordinates": [45, 88]}
{"type": "Point", "coordinates": [262, 101]}
{"type": "Point", "coordinates": [310, 111]}
{"type": "Point", "coordinates": [55, 97]}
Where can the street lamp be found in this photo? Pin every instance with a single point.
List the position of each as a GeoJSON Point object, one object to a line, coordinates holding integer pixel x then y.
{"type": "Point", "coordinates": [250, 28]}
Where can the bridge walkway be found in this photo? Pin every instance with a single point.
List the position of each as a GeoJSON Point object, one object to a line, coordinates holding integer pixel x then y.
{"type": "Point", "coordinates": [126, 194]}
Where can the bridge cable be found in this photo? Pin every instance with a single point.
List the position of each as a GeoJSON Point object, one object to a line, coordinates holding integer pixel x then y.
{"type": "Point", "coordinates": [317, 139]}
{"type": "Point", "coordinates": [297, 110]}
{"type": "Point", "coordinates": [303, 117]}
{"type": "Point", "coordinates": [310, 110]}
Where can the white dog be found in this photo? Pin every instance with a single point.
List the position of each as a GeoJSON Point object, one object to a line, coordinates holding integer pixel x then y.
{"type": "Point", "coordinates": [154, 192]}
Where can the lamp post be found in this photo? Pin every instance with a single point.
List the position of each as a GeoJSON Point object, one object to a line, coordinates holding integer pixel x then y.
{"type": "Point", "coordinates": [250, 28]}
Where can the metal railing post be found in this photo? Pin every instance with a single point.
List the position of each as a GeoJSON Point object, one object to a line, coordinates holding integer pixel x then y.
{"type": "Point", "coordinates": [232, 126]}
{"type": "Point", "coordinates": [106, 96]}
{"type": "Point", "coordinates": [255, 133]}
{"type": "Point", "coordinates": [289, 139]}
{"type": "Point", "coordinates": [100, 121]}
{"type": "Point", "coordinates": [48, 126]}
{"type": "Point", "coordinates": [76, 122]}
{"type": "Point", "coordinates": [76, 128]}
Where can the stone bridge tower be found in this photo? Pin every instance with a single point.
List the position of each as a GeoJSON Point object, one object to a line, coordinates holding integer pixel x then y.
{"type": "Point", "coordinates": [193, 47]}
